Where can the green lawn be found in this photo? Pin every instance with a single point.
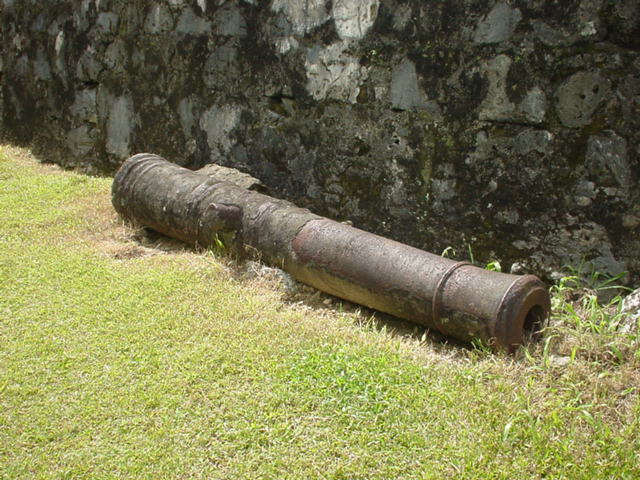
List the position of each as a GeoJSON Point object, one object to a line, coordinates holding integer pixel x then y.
{"type": "Point", "coordinates": [120, 359]}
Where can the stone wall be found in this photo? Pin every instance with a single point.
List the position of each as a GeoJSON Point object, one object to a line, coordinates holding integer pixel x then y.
{"type": "Point", "coordinates": [511, 127]}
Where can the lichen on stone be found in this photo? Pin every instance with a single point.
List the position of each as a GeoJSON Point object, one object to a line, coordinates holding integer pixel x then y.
{"type": "Point", "coordinates": [509, 126]}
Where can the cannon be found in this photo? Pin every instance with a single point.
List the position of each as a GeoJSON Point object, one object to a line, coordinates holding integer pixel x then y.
{"type": "Point", "coordinates": [210, 207]}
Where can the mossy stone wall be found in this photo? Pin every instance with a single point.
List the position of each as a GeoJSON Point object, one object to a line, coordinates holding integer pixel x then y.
{"type": "Point", "coordinates": [511, 127]}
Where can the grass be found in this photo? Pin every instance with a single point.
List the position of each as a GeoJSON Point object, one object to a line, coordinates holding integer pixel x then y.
{"type": "Point", "coordinates": [127, 357]}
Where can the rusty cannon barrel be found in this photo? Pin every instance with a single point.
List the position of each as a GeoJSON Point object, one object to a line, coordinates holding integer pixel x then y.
{"type": "Point", "coordinates": [455, 298]}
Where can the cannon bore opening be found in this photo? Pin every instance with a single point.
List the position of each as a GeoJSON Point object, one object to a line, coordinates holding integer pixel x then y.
{"type": "Point", "coordinates": [533, 323]}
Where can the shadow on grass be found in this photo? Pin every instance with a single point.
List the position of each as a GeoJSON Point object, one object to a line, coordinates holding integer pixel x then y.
{"type": "Point", "coordinates": [294, 294]}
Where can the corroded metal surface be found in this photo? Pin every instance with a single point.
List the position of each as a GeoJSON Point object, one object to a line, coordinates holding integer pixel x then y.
{"type": "Point", "coordinates": [455, 298]}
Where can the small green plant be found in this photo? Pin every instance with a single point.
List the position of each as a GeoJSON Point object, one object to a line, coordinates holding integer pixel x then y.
{"type": "Point", "coordinates": [586, 323]}
{"type": "Point", "coordinates": [218, 244]}
{"type": "Point", "coordinates": [580, 307]}
{"type": "Point", "coordinates": [494, 266]}
{"type": "Point", "coordinates": [448, 252]}
{"type": "Point", "coordinates": [585, 276]}
{"type": "Point", "coordinates": [222, 244]}
{"type": "Point", "coordinates": [481, 346]}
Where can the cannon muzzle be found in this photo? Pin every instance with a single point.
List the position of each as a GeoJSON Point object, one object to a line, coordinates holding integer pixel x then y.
{"type": "Point", "coordinates": [457, 299]}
